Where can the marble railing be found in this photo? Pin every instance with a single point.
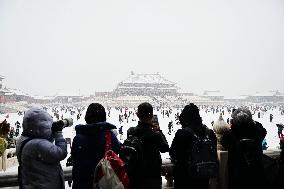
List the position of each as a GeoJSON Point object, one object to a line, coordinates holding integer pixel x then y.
{"type": "Point", "coordinates": [10, 178]}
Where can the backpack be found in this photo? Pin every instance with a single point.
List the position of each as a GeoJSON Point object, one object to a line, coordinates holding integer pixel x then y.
{"type": "Point", "coordinates": [250, 154]}
{"type": "Point", "coordinates": [131, 153]}
{"type": "Point", "coordinates": [110, 173]}
{"type": "Point", "coordinates": [203, 160]}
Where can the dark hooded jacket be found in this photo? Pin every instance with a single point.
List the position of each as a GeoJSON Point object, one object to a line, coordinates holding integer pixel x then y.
{"type": "Point", "coordinates": [88, 149]}
{"type": "Point", "coordinates": [179, 153]}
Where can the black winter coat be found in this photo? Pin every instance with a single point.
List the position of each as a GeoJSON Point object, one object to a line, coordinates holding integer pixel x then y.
{"type": "Point", "coordinates": [239, 175]}
{"type": "Point", "coordinates": [181, 145]}
{"type": "Point", "coordinates": [154, 142]}
{"type": "Point", "coordinates": [88, 148]}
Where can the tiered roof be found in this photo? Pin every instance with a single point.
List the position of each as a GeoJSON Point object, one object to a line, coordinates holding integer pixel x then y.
{"type": "Point", "coordinates": [212, 93]}
{"type": "Point", "coordinates": [147, 78]}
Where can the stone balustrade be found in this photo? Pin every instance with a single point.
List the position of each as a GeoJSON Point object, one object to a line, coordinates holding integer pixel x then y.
{"type": "Point", "coordinates": [10, 178]}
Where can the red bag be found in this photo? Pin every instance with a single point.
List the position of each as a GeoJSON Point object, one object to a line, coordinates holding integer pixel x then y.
{"type": "Point", "coordinates": [110, 172]}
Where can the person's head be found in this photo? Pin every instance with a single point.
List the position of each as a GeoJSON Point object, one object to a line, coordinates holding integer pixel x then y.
{"type": "Point", "coordinates": [95, 113]}
{"type": "Point", "coordinates": [145, 112]}
{"type": "Point", "coordinates": [241, 116]}
{"type": "Point", "coordinates": [220, 126]}
{"type": "Point", "coordinates": [190, 115]}
{"type": "Point", "coordinates": [37, 123]}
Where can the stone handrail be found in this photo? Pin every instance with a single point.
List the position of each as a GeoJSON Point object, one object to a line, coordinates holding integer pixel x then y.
{"type": "Point", "coordinates": [8, 159]}
{"type": "Point", "coordinates": [11, 178]}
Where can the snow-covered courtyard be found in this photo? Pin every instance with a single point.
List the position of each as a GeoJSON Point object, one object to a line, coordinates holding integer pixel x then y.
{"type": "Point", "coordinates": [126, 117]}
{"type": "Point", "coordinates": [113, 117]}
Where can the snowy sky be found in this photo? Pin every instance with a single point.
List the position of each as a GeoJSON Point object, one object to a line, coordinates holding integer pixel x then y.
{"type": "Point", "coordinates": [236, 46]}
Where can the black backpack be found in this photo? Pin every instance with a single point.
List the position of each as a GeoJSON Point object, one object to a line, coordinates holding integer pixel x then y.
{"type": "Point", "coordinates": [250, 154]}
{"type": "Point", "coordinates": [131, 153]}
{"type": "Point", "coordinates": [203, 161]}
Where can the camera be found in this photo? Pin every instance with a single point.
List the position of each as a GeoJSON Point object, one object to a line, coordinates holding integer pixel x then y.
{"type": "Point", "coordinates": [59, 125]}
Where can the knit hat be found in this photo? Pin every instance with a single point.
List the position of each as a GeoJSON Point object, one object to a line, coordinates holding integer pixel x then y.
{"type": "Point", "coordinates": [241, 116]}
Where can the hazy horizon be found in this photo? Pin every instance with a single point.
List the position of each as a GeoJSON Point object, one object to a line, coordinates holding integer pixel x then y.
{"type": "Point", "coordinates": [234, 46]}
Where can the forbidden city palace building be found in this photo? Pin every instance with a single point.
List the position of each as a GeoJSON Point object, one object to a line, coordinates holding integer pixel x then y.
{"type": "Point", "coordinates": [146, 85]}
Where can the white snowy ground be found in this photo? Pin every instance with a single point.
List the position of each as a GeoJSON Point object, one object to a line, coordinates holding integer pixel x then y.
{"type": "Point", "coordinates": [69, 132]}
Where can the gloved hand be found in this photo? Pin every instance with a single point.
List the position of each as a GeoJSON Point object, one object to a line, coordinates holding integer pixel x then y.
{"type": "Point", "coordinates": [57, 126]}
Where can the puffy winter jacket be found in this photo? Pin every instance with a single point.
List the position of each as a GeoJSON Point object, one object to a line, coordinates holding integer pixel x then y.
{"type": "Point", "coordinates": [88, 148]}
{"type": "Point", "coordinates": [40, 157]}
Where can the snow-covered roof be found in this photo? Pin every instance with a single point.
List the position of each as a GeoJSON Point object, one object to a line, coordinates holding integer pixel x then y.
{"type": "Point", "coordinates": [14, 92]}
{"type": "Point", "coordinates": [1, 77]}
{"type": "Point", "coordinates": [67, 94]}
{"type": "Point", "coordinates": [195, 98]}
{"type": "Point", "coordinates": [241, 97]}
{"type": "Point", "coordinates": [212, 93]}
{"type": "Point", "coordinates": [182, 90]}
{"type": "Point", "coordinates": [143, 98]}
{"type": "Point", "coordinates": [146, 87]}
{"type": "Point", "coordinates": [123, 87]}
{"type": "Point", "coordinates": [147, 78]}
{"type": "Point", "coordinates": [269, 93]}
{"type": "Point", "coordinates": [5, 90]}
{"type": "Point", "coordinates": [37, 97]}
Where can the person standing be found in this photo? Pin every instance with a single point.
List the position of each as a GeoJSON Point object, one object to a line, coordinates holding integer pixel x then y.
{"type": "Point", "coordinates": [88, 146]}
{"type": "Point", "coordinates": [40, 157]}
{"type": "Point", "coordinates": [182, 145]}
{"type": "Point", "coordinates": [271, 118]}
{"type": "Point", "coordinates": [4, 131]}
{"type": "Point", "coordinates": [220, 127]}
{"type": "Point", "coordinates": [120, 132]}
{"type": "Point", "coordinates": [280, 129]}
{"type": "Point", "coordinates": [244, 144]}
{"type": "Point", "coordinates": [154, 142]}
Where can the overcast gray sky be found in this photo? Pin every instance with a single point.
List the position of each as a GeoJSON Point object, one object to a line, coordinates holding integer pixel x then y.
{"type": "Point", "coordinates": [236, 46]}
